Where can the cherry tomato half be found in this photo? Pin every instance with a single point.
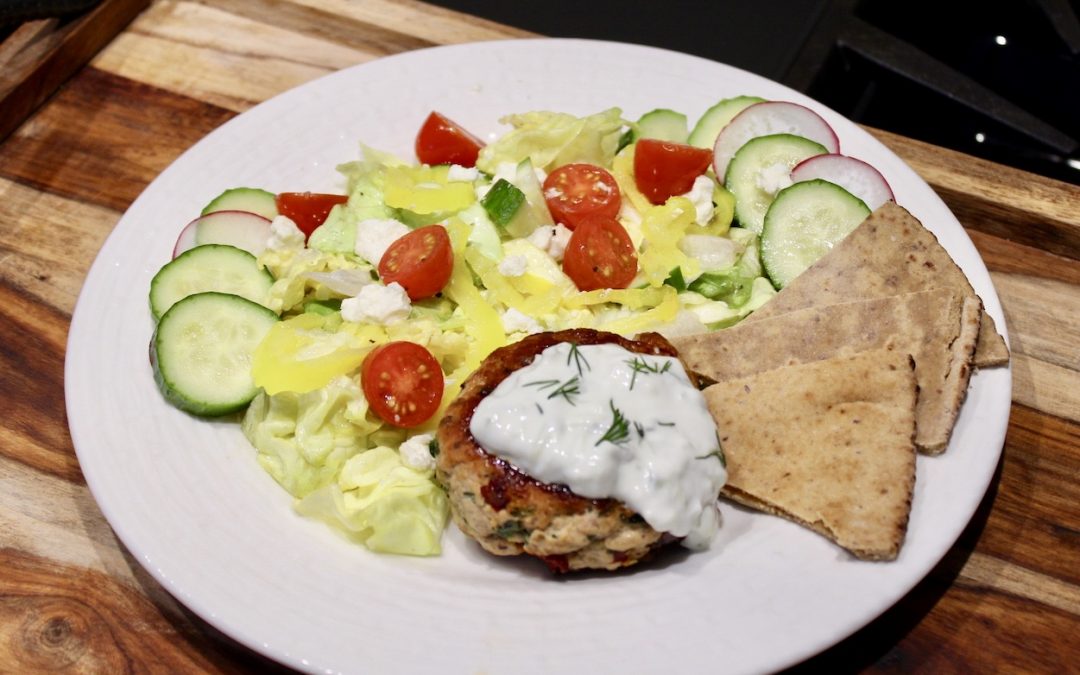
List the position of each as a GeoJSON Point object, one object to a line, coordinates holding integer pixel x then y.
{"type": "Point", "coordinates": [442, 141]}
{"type": "Point", "coordinates": [600, 255]}
{"type": "Point", "coordinates": [663, 169]}
{"type": "Point", "coordinates": [574, 192]}
{"type": "Point", "coordinates": [307, 209]}
{"type": "Point", "coordinates": [402, 382]}
{"type": "Point", "coordinates": [421, 261]}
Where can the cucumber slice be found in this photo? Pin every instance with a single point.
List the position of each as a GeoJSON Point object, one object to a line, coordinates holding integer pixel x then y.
{"type": "Point", "coordinates": [533, 212]}
{"type": "Point", "coordinates": [804, 222]}
{"type": "Point", "coordinates": [769, 154]}
{"type": "Point", "coordinates": [212, 267]}
{"type": "Point", "coordinates": [252, 200]}
{"type": "Point", "coordinates": [716, 118]}
{"type": "Point", "coordinates": [201, 352]}
{"type": "Point", "coordinates": [502, 201]}
{"type": "Point", "coordinates": [663, 125]}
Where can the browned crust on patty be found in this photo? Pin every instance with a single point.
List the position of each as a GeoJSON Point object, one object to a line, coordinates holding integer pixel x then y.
{"type": "Point", "coordinates": [510, 513]}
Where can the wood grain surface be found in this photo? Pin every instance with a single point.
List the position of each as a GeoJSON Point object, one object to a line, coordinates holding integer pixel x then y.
{"type": "Point", "coordinates": [1006, 598]}
{"type": "Point", "coordinates": [40, 54]}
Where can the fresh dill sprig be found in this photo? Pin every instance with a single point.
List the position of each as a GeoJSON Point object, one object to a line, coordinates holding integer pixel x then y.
{"type": "Point", "coordinates": [640, 365]}
{"type": "Point", "coordinates": [619, 431]}
{"type": "Point", "coordinates": [718, 453]}
{"type": "Point", "coordinates": [568, 390]}
{"type": "Point", "coordinates": [542, 384]}
{"type": "Point", "coordinates": [578, 359]}
{"type": "Point", "coordinates": [640, 430]}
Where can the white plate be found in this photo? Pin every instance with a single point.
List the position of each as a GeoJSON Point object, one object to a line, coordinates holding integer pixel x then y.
{"type": "Point", "coordinates": [189, 501]}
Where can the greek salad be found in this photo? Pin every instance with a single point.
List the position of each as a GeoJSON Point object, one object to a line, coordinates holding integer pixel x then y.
{"type": "Point", "coordinates": [338, 327]}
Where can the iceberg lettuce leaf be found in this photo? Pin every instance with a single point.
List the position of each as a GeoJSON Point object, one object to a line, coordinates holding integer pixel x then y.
{"type": "Point", "coordinates": [380, 502]}
{"type": "Point", "coordinates": [303, 440]}
{"type": "Point", "coordinates": [291, 269]}
{"type": "Point", "coordinates": [552, 139]}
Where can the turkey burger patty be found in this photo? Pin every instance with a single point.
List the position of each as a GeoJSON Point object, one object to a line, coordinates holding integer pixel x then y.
{"type": "Point", "coordinates": [509, 512]}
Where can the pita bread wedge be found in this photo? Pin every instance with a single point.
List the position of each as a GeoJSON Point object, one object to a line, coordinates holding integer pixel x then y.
{"type": "Point", "coordinates": [827, 444]}
{"type": "Point", "coordinates": [888, 254]}
{"type": "Point", "coordinates": [937, 327]}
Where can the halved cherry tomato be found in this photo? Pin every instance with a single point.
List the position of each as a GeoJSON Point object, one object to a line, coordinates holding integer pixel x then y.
{"type": "Point", "coordinates": [663, 169]}
{"type": "Point", "coordinates": [307, 209]}
{"type": "Point", "coordinates": [402, 382]}
{"type": "Point", "coordinates": [576, 191]}
{"type": "Point", "coordinates": [442, 141]}
{"type": "Point", "coordinates": [600, 255]}
{"type": "Point", "coordinates": [421, 261]}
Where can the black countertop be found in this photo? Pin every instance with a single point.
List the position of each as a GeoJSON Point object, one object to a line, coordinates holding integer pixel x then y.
{"type": "Point", "coordinates": [995, 80]}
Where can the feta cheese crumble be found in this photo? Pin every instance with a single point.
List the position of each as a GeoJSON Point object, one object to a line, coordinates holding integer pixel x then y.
{"type": "Point", "coordinates": [774, 178]}
{"type": "Point", "coordinates": [514, 321]}
{"type": "Point", "coordinates": [416, 452]}
{"type": "Point", "coordinates": [377, 304]}
{"type": "Point", "coordinates": [513, 266]}
{"type": "Point", "coordinates": [462, 173]}
{"type": "Point", "coordinates": [285, 235]}
{"type": "Point", "coordinates": [374, 236]}
{"type": "Point", "coordinates": [551, 239]}
{"type": "Point", "coordinates": [701, 194]}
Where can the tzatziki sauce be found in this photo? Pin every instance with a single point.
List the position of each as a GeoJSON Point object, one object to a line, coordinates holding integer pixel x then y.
{"type": "Point", "coordinates": [610, 423]}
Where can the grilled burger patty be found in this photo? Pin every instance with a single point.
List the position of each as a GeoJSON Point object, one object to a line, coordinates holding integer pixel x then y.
{"type": "Point", "coordinates": [511, 513]}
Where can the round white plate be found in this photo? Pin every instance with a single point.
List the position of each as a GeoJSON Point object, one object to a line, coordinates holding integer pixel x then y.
{"type": "Point", "coordinates": [189, 501]}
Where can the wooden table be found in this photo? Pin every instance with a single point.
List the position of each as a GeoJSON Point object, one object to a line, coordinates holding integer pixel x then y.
{"type": "Point", "coordinates": [1005, 598]}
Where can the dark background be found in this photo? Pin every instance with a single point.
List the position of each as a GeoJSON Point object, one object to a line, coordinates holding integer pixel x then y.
{"type": "Point", "coordinates": [999, 80]}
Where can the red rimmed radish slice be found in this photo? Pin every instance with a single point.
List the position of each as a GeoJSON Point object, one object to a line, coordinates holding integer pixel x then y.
{"type": "Point", "coordinates": [854, 175]}
{"type": "Point", "coordinates": [247, 231]}
{"type": "Point", "coordinates": [186, 240]}
{"type": "Point", "coordinates": [766, 119]}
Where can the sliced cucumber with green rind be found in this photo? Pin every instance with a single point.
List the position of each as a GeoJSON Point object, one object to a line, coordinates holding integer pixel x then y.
{"type": "Point", "coordinates": [804, 222]}
{"type": "Point", "coordinates": [252, 200]}
{"type": "Point", "coordinates": [202, 349]}
{"type": "Point", "coordinates": [533, 212]}
{"type": "Point", "coordinates": [776, 153]}
{"type": "Point", "coordinates": [716, 118]}
{"type": "Point", "coordinates": [211, 267]}
{"type": "Point", "coordinates": [663, 125]}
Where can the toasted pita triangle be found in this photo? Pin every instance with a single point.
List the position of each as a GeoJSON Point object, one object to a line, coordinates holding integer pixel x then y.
{"type": "Point", "coordinates": [890, 253]}
{"type": "Point", "coordinates": [827, 444]}
{"type": "Point", "coordinates": [937, 327]}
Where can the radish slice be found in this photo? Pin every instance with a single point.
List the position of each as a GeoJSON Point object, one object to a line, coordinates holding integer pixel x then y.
{"type": "Point", "coordinates": [186, 240]}
{"type": "Point", "coordinates": [764, 119]}
{"type": "Point", "coordinates": [244, 230]}
{"type": "Point", "coordinates": [854, 175]}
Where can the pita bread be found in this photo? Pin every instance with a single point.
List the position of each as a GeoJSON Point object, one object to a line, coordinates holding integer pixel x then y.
{"type": "Point", "coordinates": [827, 444]}
{"type": "Point", "coordinates": [890, 253]}
{"type": "Point", "coordinates": [937, 327]}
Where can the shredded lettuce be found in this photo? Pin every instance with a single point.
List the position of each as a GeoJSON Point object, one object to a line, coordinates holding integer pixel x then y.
{"type": "Point", "coordinates": [383, 504]}
{"type": "Point", "coordinates": [552, 139]}
{"type": "Point", "coordinates": [294, 284]}
{"type": "Point", "coordinates": [365, 180]}
{"type": "Point", "coordinates": [303, 440]}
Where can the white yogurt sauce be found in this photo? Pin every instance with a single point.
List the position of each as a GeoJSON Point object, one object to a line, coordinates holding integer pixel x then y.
{"type": "Point", "coordinates": [610, 423]}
